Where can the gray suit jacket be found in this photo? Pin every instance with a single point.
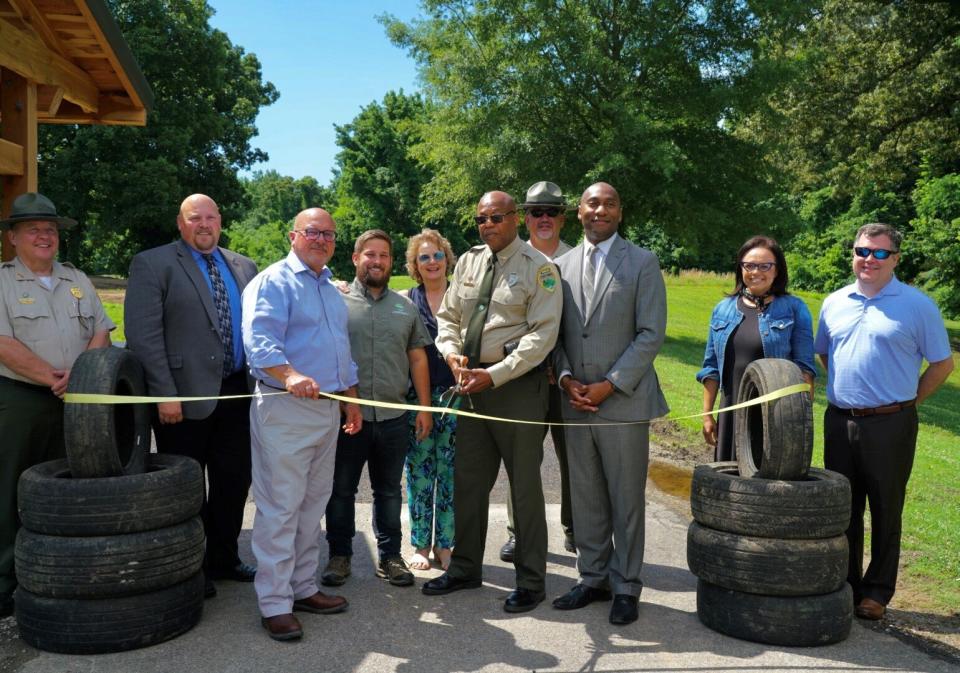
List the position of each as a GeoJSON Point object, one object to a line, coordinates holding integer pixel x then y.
{"type": "Point", "coordinates": [620, 337]}
{"type": "Point", "coordinates": [171, 323]}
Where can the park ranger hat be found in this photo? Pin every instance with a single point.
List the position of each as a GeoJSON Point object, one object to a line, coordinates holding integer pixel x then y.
{"type": "Point", "coordinates": [544, 194]}
{"type": "Point", "coordinates": [34, 207]}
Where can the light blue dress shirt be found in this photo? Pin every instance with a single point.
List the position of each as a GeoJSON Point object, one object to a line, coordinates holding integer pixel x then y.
{"type": "Point", "coordinates": [294, 316]}
{"type": "Point", "coordinates": [233, 296]}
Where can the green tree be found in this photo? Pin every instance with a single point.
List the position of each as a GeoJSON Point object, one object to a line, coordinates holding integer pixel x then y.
{"type": "Point", "coordinates": [641, 94]}
{"type": "Point", "coordinates": [936, 237]}
{"type": "Point", "coordinates": [125, 184]}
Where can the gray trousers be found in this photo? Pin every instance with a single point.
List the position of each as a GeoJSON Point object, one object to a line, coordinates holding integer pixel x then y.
{"type": "Point", "coordinates": [293, 445]}
{"type": "Point", "coordinates": [608, 478]}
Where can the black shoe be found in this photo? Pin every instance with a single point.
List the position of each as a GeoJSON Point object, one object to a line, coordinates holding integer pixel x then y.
{"type": "Point", "coordinates": [394, 569]}
{"type": "Point", "coordinates": [569, 543]}
{"type": "Point", "coordinates": [581, 596]}
{"type": "Point", "coordinates": [6, 605]}
{"type": "Point", "coordinates": [209, 588]}
{"type": "Point", "coordinates": [506, 551]}
{"type": "Point", "coordinates": [624, 609]}
{"type": "Point", "coordinates": [242, 572]}
{"type": "Point", "coordinates": [445, 584]}
{"type": "Point", "coordinates": [523, 600]}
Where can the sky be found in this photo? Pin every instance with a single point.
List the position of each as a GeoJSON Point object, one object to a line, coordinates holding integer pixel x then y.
{"type": "Point", "coordinates": [328, 59]}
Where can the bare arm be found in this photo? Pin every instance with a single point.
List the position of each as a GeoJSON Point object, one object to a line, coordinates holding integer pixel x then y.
{"type": "Point", "coordinates": [20, 359]}
{"type": "Point", "coordinates": [710, 389]}
{"type": "Point", "coordinates": [934, 375]}
{"type": "Point", "coordinates": [420, 374]}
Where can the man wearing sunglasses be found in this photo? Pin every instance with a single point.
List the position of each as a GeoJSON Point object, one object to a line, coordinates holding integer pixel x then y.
{"type": "Point", "coordinates": [182, 313]}
{"type": "Point", "coordinates": [872, 339]}
{"type": "Point", "coordinates": [544, 214]}
{"type": "Point", "coordinates": [497, 324]}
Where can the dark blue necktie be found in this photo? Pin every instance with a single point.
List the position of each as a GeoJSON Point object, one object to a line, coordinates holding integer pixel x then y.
{"type": "Point", "coordinates": [222, 303]}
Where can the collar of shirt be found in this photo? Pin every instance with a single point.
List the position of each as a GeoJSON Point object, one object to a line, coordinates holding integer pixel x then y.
{"type": "Point", "coordinates": [24, 273]}
{"type": "Point", "coordinates": [893, 287]}
{"type": "Point", "coordinates": [509, 250]}
{"type": "Point", "coordinates": [199, 256]}
{"type": "Point", "coordinates": [602, 246]}
{"type": "Point", "coordinates": [297, 266]}
{"type": "Point", "coordinates": [362, 290]}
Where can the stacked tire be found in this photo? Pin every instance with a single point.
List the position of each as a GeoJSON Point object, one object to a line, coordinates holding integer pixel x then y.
{"type": "Point", "coordinates": [110, 553]}
{"type": "Point", "coordinates": [767, 542]}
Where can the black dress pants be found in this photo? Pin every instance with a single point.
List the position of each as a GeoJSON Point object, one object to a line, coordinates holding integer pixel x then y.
{"type": "Point", "coordinates": [221, 444]}
{"type": "Point", "coordinates": [876, 454]}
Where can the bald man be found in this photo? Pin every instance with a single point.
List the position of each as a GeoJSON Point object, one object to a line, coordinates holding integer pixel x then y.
{"type": "Point", "coordinates": [182, 320]}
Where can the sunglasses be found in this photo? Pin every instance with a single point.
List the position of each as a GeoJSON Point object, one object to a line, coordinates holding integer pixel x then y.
{"type": "Point", "coordinates": [329, 235]}
{"type": "Point", "coordinates": [549, 212]}
{"type": "Point", "coordinates": [878, 254]}
{"type": "Point", "coordinates": [496, 219]}
{"type": "Point", "coordinates": [750, 267]}
{"type": "Point", "coordinates": [438, 256]}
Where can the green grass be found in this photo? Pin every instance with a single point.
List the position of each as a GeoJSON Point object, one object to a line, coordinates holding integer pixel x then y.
{"type": "Point", "coordinates": [115, 312]}
{"type": "Point", "coordinates": [931, 546]}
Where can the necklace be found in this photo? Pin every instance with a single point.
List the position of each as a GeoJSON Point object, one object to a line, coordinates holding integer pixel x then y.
{"type": "Point", "coordinates": [759, 302]}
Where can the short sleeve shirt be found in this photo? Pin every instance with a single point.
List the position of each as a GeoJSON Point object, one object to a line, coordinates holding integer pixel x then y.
{"type": "Point", "coordinates": [382, 330]}
{"type": "Point", "coordinates": [56, 324]}
{"type": "Point", "coordinates": [876, 345]}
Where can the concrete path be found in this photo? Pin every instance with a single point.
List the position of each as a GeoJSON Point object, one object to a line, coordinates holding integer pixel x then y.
{"type": "Point", "coordinates": [400, 629]}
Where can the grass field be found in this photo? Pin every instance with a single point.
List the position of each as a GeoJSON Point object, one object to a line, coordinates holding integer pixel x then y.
{"type": "Point", "coordinates": [930, 578]}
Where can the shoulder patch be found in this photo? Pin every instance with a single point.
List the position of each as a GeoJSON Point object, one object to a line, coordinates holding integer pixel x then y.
{"type": "Point", "coordinates": [547, 277]}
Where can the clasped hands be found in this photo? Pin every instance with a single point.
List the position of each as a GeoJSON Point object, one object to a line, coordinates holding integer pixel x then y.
{"type": "Point", "coordinates": [586, 396]}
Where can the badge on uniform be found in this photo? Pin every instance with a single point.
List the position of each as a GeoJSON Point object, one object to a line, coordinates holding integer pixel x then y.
{"type": "Point", "coordinates": [27, 299]}
{"type": "Point", "coordinates": [76, 292]}
{"type": "Point", "coordinates": [547, 278]}
{"type": "Point", "coordinates": [512, 279]}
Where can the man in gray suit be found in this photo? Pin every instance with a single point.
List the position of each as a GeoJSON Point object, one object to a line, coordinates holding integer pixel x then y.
{"type": "Point", "coordinates": [182, 320]}
{"type": "Point", "coordinates": [605, 368]}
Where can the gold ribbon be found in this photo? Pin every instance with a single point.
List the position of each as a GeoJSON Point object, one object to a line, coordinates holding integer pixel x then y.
{"type": "Point", "coordinates": [90, 398]}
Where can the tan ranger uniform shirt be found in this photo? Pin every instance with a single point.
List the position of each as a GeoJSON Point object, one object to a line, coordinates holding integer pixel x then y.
{"type": "Point", "coordinates": [525, 306]}
{"type": "Point", "coordinates": [55, 324]}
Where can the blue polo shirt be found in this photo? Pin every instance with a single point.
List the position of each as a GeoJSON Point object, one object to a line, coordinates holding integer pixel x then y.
{"type": "Point", "coordinates": [294, 316]}
{"type": "Point", "coordinates": [876, 345]}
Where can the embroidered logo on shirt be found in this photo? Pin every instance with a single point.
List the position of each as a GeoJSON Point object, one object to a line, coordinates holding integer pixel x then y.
{"type": "Point", "coordinates": [547, 278]}
{"type": "Point", "coordinates": [76, 292]}
{"type": "Point", "coordinates": [27, 299]}
{"type": "Point", "coordinates": [512, 279]}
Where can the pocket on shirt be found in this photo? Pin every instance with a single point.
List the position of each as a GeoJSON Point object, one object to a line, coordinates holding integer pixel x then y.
{"type": "Point", "coordinates": [82, 312]}
{"type": "Point", "coordinates": [508, 296]}
{"type": "Point", "coordinates": [719, 325]}
{"type": "Point", "coordinates": [31, 322]}
{"type": "Point", "coordinates": [781, 325]}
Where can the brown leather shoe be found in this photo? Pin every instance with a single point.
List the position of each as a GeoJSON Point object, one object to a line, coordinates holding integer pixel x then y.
{"type": "Point", "coordinates": [870, 609]}
{"type": "Point", "coordinates": [321, 604]}
{"type": "Point", "coordinates": [282, 627]}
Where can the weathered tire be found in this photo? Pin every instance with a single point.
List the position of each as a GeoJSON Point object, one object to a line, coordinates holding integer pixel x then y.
{"type": "Point", "coordinates": [106, 440]}
{"type": "Point", "coordinates": [93, 626]}
{"type": "Point", "coordinates": [784, 446]}
{"type": "Point", "coordinates": [108, 566]}
{"type": "Point", "coordinates": [816, 507]}
{"type": "Point", "coordinates": [764, 565]}
{"type": "Point", "coordinates": [799, 621]}
{"type": "Point", "coordinates": [53, 503]}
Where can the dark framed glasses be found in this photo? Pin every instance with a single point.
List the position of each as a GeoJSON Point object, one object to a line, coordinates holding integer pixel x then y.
{"type": "Point", "coordinates": [329, 235]}
{"type": "Point", "coordinates": [438, 256]}
{"type": "Point", "coordinates": [878, 253]}
{"type": "Point", "coordinates": [496, 219]}
{"type": "Point", "coordinates": [750, 267]}
{"type": "Point", "coordinates": [549, 212]}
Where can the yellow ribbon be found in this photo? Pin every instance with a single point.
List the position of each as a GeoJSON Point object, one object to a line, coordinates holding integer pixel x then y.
{"type": "Point", "coordinates": [90, 398]}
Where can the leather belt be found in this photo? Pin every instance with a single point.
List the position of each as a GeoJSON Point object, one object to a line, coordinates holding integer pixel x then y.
{"type": "Point", "coordinates": [894, 408]}
{"type": "Point", "coordinates": [264, 383]}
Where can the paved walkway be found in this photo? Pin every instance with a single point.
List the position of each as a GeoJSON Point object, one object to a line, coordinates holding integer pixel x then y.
{"type": "Point", "coordinates": [401, 630]}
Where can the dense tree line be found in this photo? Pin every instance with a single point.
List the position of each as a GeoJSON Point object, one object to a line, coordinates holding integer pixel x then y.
{"type": "Point", "coordinates": [715, 118]}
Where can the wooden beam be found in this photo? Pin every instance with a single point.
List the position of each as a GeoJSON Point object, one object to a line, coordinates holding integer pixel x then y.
{"type": "Point", "coordinates": [29, 57]}
{"type": "Point", "coordinates": [35, 19]}
{"type": "Point", "coordinates": [18, 109]}
{"type": "Point", "coordinates": [49, 99]}
{"type": "Point", "coordinates": [112, 57]}
{"type": "Point", "coordinates": [11, 158]}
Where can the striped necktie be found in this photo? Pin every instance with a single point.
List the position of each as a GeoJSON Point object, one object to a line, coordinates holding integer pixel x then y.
{"type": "Point", "coordinates": [222, 303]}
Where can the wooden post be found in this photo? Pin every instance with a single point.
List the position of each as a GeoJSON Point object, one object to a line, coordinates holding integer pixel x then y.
{"type": "Point", "coordinates": [18, 125]}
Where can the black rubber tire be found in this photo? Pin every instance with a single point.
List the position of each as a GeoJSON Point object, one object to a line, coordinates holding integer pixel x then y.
{"type": "Point", "coordinates": [53, 503]}
{"type": "Point", "coordinates": [816, 507]}
{"type": "Point", "coordinates": [796, 621]}
{"type": "Point", "coordinates": [108, 566]}
{"type": "Point", "coordinates": [765, 565]}
{"type": "Point", "coordinates": [784, 446]}
{"type": "Point", "coordinates": [94, 626]}
{"type": "Point", "coordinates": [106, 440]}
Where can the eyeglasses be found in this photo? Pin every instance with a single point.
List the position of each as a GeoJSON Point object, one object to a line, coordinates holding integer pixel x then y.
{"type": "Point", "coordinates": [329, 235]}
{"type": "Point", "coordinates": [549, 212]}
{"type": "Point", "coordinates": [879, 254]}
{"type": "Point", "coordinates": [438, 256]}
{"type": "Point", "coordinates": [496, 219]}
{"type": "Point", "coordinates": [750, 267]}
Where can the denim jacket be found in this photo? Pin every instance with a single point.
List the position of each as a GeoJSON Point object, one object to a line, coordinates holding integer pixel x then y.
{"type": "Point", "coordinates": [786, 331]}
